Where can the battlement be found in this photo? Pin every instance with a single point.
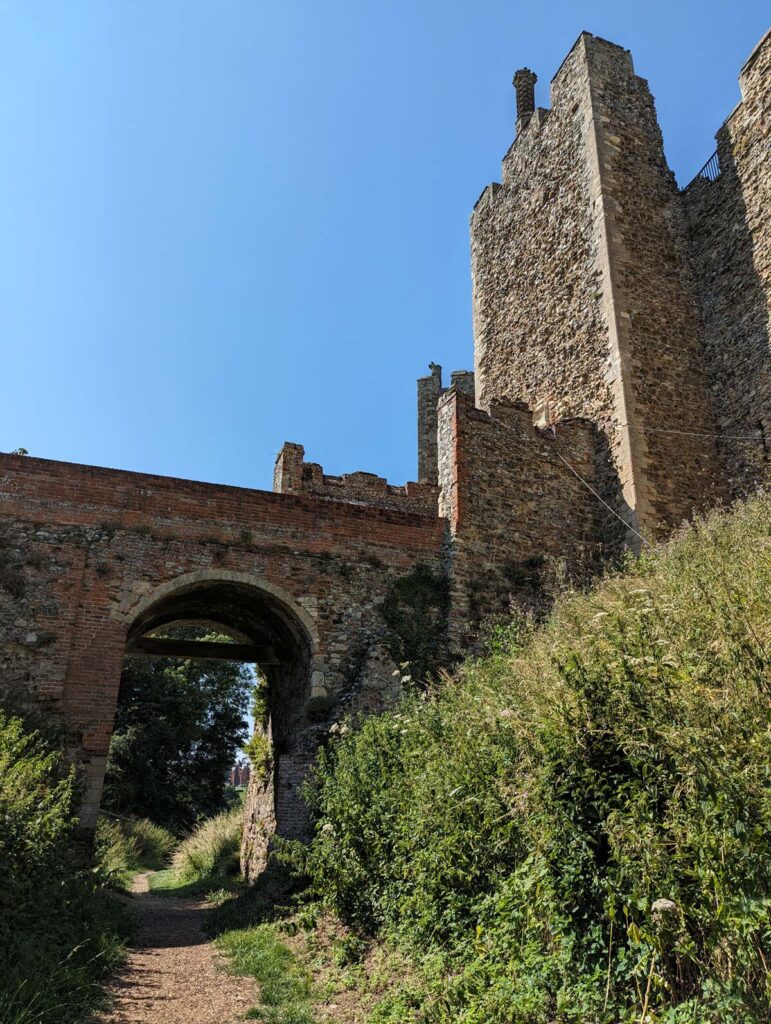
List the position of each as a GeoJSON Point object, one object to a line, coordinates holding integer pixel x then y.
{"type": "Point", "coordinates": [430, 390]}
{"type": "Point", "coordinates": [531, 120]}
{"type": "Point", "coordinates": [518, 500]}
{"type": "Point", "coordinates": [293, 475]}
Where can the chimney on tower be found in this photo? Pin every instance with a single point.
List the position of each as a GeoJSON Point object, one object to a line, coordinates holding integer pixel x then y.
{"type": "Point", "coordinates": [524, 83]}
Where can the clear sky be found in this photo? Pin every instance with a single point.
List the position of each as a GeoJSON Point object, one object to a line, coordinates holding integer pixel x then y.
{"type": "Point", "coordinates": [229, 223]}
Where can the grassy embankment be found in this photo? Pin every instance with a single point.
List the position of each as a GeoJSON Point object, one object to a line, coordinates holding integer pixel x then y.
{"type": "Point", "coordinates": [575, 828]}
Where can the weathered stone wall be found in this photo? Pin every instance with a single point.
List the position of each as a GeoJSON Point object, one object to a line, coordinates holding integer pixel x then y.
{"type": "Point", "coordinates": [539, 328]}
{"type": "Point", "coordinates": [675, 464]}
{"type": "Point", "coordinates": [430, 390]}
{"type": "Point", "coordinates": [582, 302]}
{"type": "Point", "coordinates": [293, 475]}
{"type": "Point", "coordinates": [519, 518]}
{"type": "Point", "coordinates": [537, 319]}
{"type": "Point", "coordinates": [730, 237]}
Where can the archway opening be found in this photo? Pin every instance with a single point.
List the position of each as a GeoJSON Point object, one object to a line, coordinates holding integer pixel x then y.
{"type": "Point", "coordinates": [213, 639]}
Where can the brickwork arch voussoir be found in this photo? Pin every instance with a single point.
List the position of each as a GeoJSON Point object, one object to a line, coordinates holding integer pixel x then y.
{"type": "Point", "coordinates": [132, 606]}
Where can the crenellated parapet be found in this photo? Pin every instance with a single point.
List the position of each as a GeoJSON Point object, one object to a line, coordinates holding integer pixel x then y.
{"type": "Point", "coordinates": [293, 475]}
{"type": "Point", "coordinates": [519, 505]}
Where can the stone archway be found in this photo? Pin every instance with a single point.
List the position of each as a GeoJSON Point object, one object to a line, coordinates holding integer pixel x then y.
{"type": "Point", "coordinates": [268, 628]}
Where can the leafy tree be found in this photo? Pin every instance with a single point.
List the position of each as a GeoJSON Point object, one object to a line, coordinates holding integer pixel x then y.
{"type": "Point", "coordinates": [178, 726]}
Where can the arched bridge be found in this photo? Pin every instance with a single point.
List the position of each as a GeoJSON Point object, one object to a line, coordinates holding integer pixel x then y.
{"type": "Point", "coordinates": [93, 561]}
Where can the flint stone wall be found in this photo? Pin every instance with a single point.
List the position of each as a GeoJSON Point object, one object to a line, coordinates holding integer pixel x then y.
{"type": "Point", "coordinates": [519, 518]}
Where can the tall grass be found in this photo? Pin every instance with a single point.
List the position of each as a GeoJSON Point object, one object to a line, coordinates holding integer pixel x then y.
{"type": "Point", "coordinates": [578, 826]}
{"type": "Point", "coordinates": [126, 845]}
{"type": "Point", "coordinates": [212, 848]}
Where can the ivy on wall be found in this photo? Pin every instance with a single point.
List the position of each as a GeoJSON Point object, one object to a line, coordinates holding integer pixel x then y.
{"type": "Point", "coordinates": [415, 613]}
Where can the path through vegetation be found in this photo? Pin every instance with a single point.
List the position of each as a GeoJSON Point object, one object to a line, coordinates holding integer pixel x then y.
{"type": "Point", "coordinates": [172, 974]}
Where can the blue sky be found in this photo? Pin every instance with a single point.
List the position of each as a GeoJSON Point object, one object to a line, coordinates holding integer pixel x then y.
{"type": "Point", "coordinates": [227, 224]}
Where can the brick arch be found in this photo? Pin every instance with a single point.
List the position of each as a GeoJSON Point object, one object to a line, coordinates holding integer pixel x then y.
{"type": "Point", "coordinates": [128, 610]}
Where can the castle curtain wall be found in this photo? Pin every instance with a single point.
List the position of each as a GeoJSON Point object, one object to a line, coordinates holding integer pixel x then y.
{"type": "Point", "coordinates": [729, 222]}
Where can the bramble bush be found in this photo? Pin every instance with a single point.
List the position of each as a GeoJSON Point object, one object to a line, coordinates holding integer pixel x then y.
{"type": "Point", "coordinates": [60, 931]}
{"type": "Point", "coordinates": [577, 827]}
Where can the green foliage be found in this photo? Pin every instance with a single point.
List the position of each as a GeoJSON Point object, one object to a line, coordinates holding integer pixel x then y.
{"type": "Point", "coordinates": [259, 701]}
{"type": "Point", "coordinates": [178, 726]}
{"type": "Point", "coordinates": [156, 843]}
{"type": "Point", "coordinates": [59, 930]}
{"type": "Point", "coordinates": [211, 850]}
{"type": "Point", "coordinates": [285, 989]}
{"type": "Point", "coordinates": [577, 828]}
{"type": "Point", "coordinates": [415, 612]}
{"type": "Point", "coordinates": [117, 852]}
{"type": "Point", "coordinates": [126, 845]}
{"type": "Point", "coordinates": [259, 751]}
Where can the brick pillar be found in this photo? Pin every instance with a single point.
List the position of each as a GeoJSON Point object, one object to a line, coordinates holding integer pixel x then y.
{"type": "Point", "coordinates": [429, 391]}
{"type": "Point", "coordinates": [287, 473]}
{"type": "Point", "coordinates": [89, 699]}
{"type": "Point", "coordinates": [524, 82]}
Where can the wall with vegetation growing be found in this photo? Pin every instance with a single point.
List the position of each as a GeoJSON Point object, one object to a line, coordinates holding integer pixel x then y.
{"type": "Point", "coordinates": [578, 826]}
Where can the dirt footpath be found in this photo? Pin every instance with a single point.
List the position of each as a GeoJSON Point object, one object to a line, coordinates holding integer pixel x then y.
{"type": "Point", "coordinates": [171, 974]}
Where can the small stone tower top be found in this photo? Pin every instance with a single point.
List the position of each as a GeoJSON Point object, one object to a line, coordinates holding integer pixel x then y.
{"type": "Point", "coordinates": [524, 82]}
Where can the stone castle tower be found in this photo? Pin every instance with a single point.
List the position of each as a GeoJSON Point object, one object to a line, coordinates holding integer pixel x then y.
{"type": "Point", "coordinates": [621, 345]}
{"type": "Point", "coordinates": [620, 330]}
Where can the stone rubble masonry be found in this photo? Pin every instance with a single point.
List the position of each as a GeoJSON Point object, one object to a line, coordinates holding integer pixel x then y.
{"type": "Point", "coordinates": [513, 505]}
{"type": "Point", "coordinates": [292, 475]}
{"type": "Point", "coordinates": [581, 290]}
{"type": "Point", "coordinates": [730, 236]}
{"type": "Point", "coordinates": [430, 390]}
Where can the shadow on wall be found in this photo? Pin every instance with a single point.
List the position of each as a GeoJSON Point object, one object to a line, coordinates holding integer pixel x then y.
{"type": "Point", "coordinates": [734, 308]}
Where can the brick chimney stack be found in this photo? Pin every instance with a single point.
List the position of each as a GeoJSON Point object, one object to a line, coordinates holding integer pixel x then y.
{"type": "Point", "coordinates": [524, 83]}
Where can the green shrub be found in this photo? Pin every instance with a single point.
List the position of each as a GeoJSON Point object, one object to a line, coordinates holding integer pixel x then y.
{"type": "Point", "coordinates": [260, 752]}
{"type": "Point", "coordinates": [59, 930]}
{"type": "Point", "coordinates": [578, 826]}
{"type": "Point", "coordinates": [117, 853]}
{"type": "Point", "coordinates": [212, 848]}
{"type": "Point", "coordinates": [156, 844]}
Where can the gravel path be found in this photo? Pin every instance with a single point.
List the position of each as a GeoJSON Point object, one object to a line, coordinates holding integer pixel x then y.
{"type": "Point", "coordinates": [171, 975]}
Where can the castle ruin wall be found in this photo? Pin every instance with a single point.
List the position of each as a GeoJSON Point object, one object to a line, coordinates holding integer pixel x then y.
{"type": "Point", "coordinates": [293, 475]}
{"type": "Point", "coordinates": [518, 515]}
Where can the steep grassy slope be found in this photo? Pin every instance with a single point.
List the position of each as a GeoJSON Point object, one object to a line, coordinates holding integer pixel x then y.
{"type": "Point", "coordinates": [578, 826]}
